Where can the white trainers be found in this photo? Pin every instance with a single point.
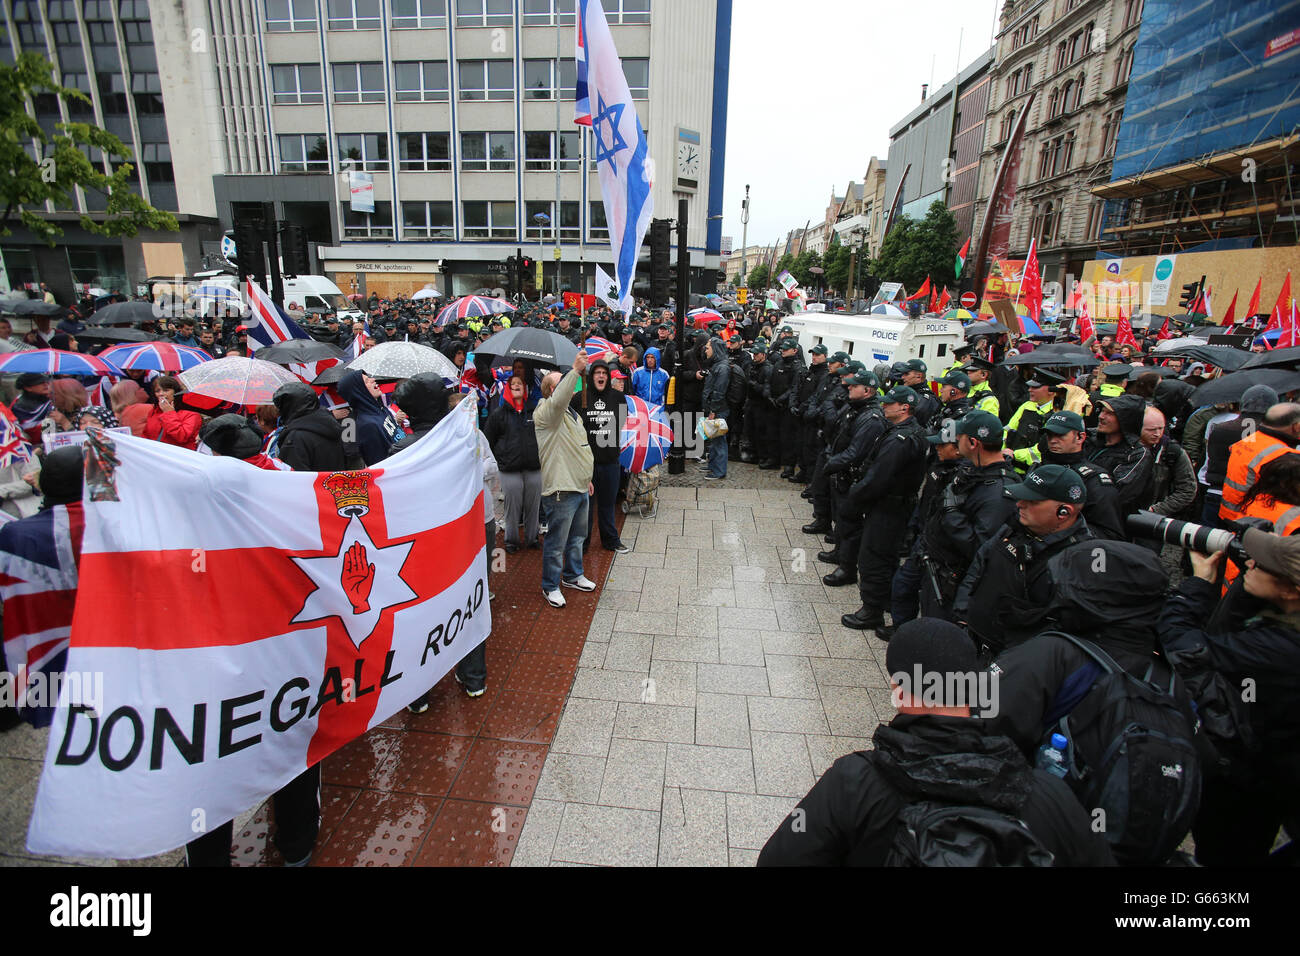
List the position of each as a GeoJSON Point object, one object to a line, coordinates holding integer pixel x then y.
{"type": "Point", "coordinates": [555, 598]}
{"type": "Point", "coordinates": [580, 583]}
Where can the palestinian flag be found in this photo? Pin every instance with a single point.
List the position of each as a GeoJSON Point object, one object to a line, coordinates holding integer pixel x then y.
{"type": "Point", "coordinates": [961, 257]}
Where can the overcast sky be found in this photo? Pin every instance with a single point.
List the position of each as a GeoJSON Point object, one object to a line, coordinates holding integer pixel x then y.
{"type": "Point", "coordinates": [816, 86]}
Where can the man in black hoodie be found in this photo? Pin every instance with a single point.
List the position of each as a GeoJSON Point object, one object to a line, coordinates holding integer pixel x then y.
{"type": "Point", "coordinates": [714, 403]}
{"type": "Point", "coordinates": [1117, 448]}
{"type": "Point", "coordinates": [310, 438]}
{"type": "Point", "coordinates": [599, 405]}
{"type": "Point", "coordinates": [376, 429]}
{"type": "Point", "coordinates": [935, 751]}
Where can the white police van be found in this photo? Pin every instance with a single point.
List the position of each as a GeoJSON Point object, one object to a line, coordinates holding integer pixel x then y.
{"type": "Point", "coordinates": [878, 339]}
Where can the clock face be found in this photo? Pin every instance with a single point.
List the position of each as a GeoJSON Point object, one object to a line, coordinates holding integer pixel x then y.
{"type": "Point", "coordinates": [688, 161]}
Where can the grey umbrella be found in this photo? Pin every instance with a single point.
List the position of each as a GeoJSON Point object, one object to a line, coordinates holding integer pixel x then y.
{"type": "Point", "coordinates": [124, 313]}
{"type": "Point", "coordinates": [31, 307]}
{"type": "Point", "coordinates": [404, 359]}
{"type": "Point", "coordinates": [532, 345]}
{"type": "Point", "coordinates": [1230, 388]}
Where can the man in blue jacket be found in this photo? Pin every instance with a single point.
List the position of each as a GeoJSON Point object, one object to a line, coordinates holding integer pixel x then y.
{"type": "Point", "coordinates": [650, 382]}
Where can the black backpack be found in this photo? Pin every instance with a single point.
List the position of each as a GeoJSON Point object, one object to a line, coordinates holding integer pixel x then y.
{"type": "Point", "coordinates": [937, 834]}
{"type": "Point", "coordinates": [736, 387]}
{"type": "Point", "coordinates": [1130, 753]}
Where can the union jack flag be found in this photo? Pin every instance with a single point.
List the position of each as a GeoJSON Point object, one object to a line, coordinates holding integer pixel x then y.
{"type": "Point", "coordinates": [581, 94]}
{"type": "Point", "coordinates": [645, 437]}
{"type": "Point", "coordinates": [359, 343]}
{"type": "Point", "coordinates": [38, 585]}
{"type": "Point", "coordinates": [13, 446]}
{"type": "Point", "coordinates": [268, 323]}
{"type": "Point", "coordinates": [596, 346]}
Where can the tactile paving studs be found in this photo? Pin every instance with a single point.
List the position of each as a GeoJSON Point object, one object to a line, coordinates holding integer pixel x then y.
{"type": "Point", "coordinates": [500, 772]}
{"type": "Point", "coordinates": [380, 829]}
{"type": "Point", "coordinates": [469, 833]}
{"type": "Point", "coordinates": [524, 717]}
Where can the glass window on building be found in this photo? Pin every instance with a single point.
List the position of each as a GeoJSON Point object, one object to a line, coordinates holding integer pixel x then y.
{"type": "Point", "coordinates": [427, 220]}
{"type": "Point", "coordinates": [568, 79]}
{"type": "Point", "coordinates": [353, 14]}
{"type": "Point", "coordinates": [570, 230]}
{"type": "Point", "coordinates": [368, 225]}
{"type": "Point", "coordinates": [599, 226]}
{"type": "Point", "coordinates": [304, 153]}
{"type": "Point", "coordinates": [424, 152]}
{"type": "Point", "coordinates": [637, 72]}
{"type": "Point", "coordinates": [539, 151]}
{"type": "Point", "coordinates": [542, 13]}
{"type": "Point", "coordinates": [367, 151]}
{"type": "Point", "coordinates": [538, 83]}
{"type": "Point", "coordinates": [147, 92]}
{"type": "Point", "coordinates": [484, 13]}
{"type": "Point", "coordinates": [295, 84]}
{"type": "Point", "coordinates": [487, 79]}
{"type": "Point", "coordinates": [20, 266]}
{"type": "Point", "coordinates": [358, 82]}
{"type": "Point", "coordinates": [79, 109]}
{"type": "Point", "coordinates": [103, 47]}
{"type": "Point", "coordinates": [419, 14]}
{"type": "Point", "coordinates": [481, 152]}
{"type": "Point", "coordinates": [286, 16]}
{"type": "Point", "coordinates": [627, 11]}
{"type": "Point", "coordinates": [489, 220]}
{"type": "Point", "coordinates": [417, 81]}
{"type": "Point", "coordinates": [103, 266]}
{"type": "Point", "coordinates": [27, 19]}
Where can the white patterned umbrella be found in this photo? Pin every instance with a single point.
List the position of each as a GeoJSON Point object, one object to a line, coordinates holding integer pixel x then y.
{"type": "Point", "coordinates": [402, 360]}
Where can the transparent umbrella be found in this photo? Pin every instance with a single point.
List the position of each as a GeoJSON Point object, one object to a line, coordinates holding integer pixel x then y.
{"type": "Point", "coordinates": [238, 380]}
{"type": "Point", "coordinates": [402, 360]}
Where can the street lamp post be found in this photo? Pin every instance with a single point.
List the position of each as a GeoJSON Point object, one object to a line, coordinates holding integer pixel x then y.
{"type": "Point", "coordinates": [744, 239]}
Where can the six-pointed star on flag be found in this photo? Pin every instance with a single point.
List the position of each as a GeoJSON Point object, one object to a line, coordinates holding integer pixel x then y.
{"type": "Point", "coordinates": [331, 597]}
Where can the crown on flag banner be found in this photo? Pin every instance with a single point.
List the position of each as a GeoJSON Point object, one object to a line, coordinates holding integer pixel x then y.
{"type": "Point", "coordinates": [351, 492]}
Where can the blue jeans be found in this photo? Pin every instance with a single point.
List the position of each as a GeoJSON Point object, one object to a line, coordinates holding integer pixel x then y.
{"type": "Point", "coordinates": [566, 529]}
{"type": "Point", "coordinates": [716, 449]}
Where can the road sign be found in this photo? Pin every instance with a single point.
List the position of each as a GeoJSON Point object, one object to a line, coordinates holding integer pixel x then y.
{"type": "Point", "coordinates": [968, 300]}
{"type": "Point", "coordinates": [742, 296]}
{"type": "Point", "coordinates": [557, 253]}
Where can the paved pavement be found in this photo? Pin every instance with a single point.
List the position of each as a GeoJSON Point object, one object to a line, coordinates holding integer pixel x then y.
{"type": "Point", "coordinates": [715, 686]}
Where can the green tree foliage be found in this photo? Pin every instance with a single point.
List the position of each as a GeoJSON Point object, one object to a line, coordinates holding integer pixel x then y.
{"type": "Point", "coordinates": [28, 183]}
{"type": "Point", "coordinates": [836, 264]}
{"type": "Point", "coordinates": [916, 249]}
{"type": "Point", "coordinates": [759, 277]}
{"type": "Point", "coordinates": [802, 266]}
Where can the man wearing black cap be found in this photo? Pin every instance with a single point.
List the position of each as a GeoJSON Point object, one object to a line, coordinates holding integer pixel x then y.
{"type": "Point", "coordinates": [858, 429]}
{"type": "Point", "coordinates": [972, 508]}
{"type": "Point", "coordinates": [1062, 443]}
{"type": "Point", "coordinates": [1007, 589]}
{"type": "Point", "coordinates": [927, 406]}
{"type": "Point", "coordinates": [886, 495]}
{"type": "Point", "coordinates": [667, 346]}
{"type": "Point", "coordinates": [785, 378]}
{"type": "Point", "coordinates": [961, 354]}
{"type": "Point", "coordinates": [819, 407]}
{"type": "Point", "coordinates": [981, 396]}
{"type": "Point", "coordinates": [809, 384]}
{"type": "Point", "coordinates": [1026, 424]}
{"type": "Point", "coordinates": [738, 383]}
{"type": "Point", "coordinates": [690, 380]}
{"type": "Point", "coordinates": [872, 807]}
{"type": "Point", "coordinates": [760, 415]}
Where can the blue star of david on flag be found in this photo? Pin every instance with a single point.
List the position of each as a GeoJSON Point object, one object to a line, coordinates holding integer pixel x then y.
{"type": "Point", "coordinates": [612, 115]}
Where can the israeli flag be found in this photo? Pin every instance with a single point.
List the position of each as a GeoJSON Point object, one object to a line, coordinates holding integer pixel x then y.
{"type": "Point", "coordinates": [622, 156]}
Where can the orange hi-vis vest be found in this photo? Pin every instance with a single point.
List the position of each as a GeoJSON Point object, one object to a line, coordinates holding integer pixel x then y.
{"type": "Point", "coordinates": [1248, 456]}
{"type": "Point", "coordinates": [1286, 521]}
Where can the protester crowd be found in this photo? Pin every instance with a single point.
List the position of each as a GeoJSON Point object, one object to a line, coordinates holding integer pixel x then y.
{"type": "Point", "coordinates": [986, 508]}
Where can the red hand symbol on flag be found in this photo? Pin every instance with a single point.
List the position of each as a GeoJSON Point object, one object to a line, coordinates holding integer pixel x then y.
{"type": "Point", "coordinates": [358, 578]}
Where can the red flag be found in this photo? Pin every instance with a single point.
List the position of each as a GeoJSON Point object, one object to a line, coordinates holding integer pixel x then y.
{"type": "Point", "coordinates": [922, 292]}
{"type": "Point", "coordinates": [1031, 285]}
{"type": "Point", "coordinates": [1283, 297]}
{"type": "Point", "coordinates": [1124, 331]}
{"type": "Point", "coordinates": [1232, 310]}
{"type": "Point", "coordinates": [945, 299]}
{"type": "Point", "coordinates": [1164, 331]}
{"type": "Point", "coordinates": [1291, 337]}
{"type": "Point", "coordinates": [1086, 329]}
{"type": "Point", "coordinates": [1253, 308]}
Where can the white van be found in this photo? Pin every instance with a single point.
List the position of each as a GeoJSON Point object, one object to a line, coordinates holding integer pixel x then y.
{"type": "Point", "coordinates": [878, 339]}
{"type": "Point", "coordinates": [313, 293]}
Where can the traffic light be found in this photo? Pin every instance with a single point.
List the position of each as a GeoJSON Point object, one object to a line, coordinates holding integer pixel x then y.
{"type": "Point", "coordinates": [660, 273]}
{"type": "Point", "coordinates": [1191, 292]}
{"type": "Point", "coordinates": [525, 266]}
{"type": "Point", "coordinates": [293, 252]}
{"type": "Point", "coordinates": [248, 251]}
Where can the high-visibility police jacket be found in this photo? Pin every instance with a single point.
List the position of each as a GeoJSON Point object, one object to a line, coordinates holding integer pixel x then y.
{"type": "Point", "coordinates": [983, 398]}
{"type": "Point", "coordinates": [1247, 457]}
{"type": "Point", "coordinates": [1042, 412]}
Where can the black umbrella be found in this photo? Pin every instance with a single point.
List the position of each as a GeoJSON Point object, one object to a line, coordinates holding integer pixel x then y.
{"type": "Point", "coordinates": [985, 328]}
{"type": "Point", "coordinates": [296, 351]}
{"type": "Point", "coordinates": [1039, 357]}
{"type": "Point", "coordinates": [533, 345]}
{"type": "Point", "coordinates": [31, 307]}
{"type": "Point", "coordinates": [1274, 358]}
{"type": "Point", "coordinates": [123, 313]}
{"type": "Point", "coordinates": [116, 335]}
{"type": "Point", "coordinates": [730, 307]}
{"type": "Point", "coordinates": [1220, 356]}
{"type": "Point", "coordinates": [1231, 387]}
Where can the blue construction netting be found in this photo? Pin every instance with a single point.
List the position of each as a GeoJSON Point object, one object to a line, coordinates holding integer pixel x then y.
{"type": "Point", "coordinates": [1204, 80]}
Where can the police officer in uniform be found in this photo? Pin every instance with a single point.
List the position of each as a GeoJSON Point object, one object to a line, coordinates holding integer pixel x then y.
{"type": "Point", "coordinates": [1026, 424]}
{"type": "Point", "coordinates": [739, 360]}
{"type": "Point", "coordinates": [760, 415]}
{"type": "Point", "coordinates": [973, 506]}
{"type": "Point", "coordinates": [830, 401]}
{"type": "Point", "coordinates": [809, 384]}
{"type": "Point", "coordinates": [981, 395]}
{"type": "Point", "coordinates": [914, 377]}
{"type": "Point", "coordinates": [954, 394]}
{"type": "Point", "coordinates": [784, 387]}
{"type": "Point", "coordinates": [886, 493]}
{"type": "Point", "coordinates": [858, 429]}
{"type": "Point", "coordinates": [1062, 443]}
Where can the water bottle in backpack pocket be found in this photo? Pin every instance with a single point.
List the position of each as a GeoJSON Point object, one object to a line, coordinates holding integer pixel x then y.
{"type": "Point", "coordinates": [1131, 755]}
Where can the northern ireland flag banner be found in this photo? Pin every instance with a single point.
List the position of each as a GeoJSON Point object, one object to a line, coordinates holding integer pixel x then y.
{"type": "Point", "coordinates": [241, 643]}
